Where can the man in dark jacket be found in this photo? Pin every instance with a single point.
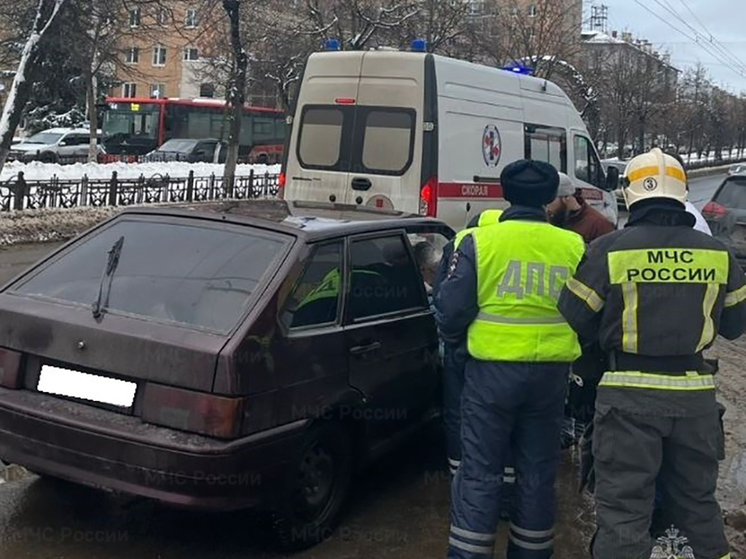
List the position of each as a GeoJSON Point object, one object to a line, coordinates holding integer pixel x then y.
{"type": "Point", "coordinates": [655, 295]}
{"type": "Point", "coordinates": [571, 212]}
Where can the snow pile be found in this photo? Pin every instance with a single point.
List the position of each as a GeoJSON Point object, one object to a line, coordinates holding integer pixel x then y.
{"type": "Point", "coordinates": [40, 226]}
{"type": "Point", "coordinates": [36, 170]}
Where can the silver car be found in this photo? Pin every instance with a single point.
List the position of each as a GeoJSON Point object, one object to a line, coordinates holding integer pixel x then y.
{"type": "Point", "coordinates": [53, 146]}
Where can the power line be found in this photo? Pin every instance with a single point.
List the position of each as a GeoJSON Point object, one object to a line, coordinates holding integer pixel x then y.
{"type": "Point", "coordinates": [713, 47]}
{"type": "Point", "coordinates": [703, 45]}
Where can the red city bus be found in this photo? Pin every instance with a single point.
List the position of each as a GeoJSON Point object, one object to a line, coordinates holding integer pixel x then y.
{"type": "Point", "coordinates": [139, 126]}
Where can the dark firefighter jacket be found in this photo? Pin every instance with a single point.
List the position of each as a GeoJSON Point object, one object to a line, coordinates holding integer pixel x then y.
{"type": "Point", "coordinates": [655, 295]}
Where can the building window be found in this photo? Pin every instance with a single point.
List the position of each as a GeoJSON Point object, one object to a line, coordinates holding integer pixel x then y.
{"type": "Point", "coordinates": [207, 90]}
{"type": "Point", "coordinates": [513, 11]}
{"type": "Point", "coordinates": [159, 55]}
{"type": "Point", "coordinates": [533, 11]}
{"type": "Point", "coordinates": [162, 16]}
{"type": "Point", "coordinates": [191, 53]}
{"type": "Point", "coordinates": [129, 90]}
{"type": "Point", "coordinates": [135, 17]}
{"type": "Point", "coordinates": [133, 55]}
{"type": "Point", "coordinates": [192, 19]}
{"type": "Point", "coordinates": [157, 90]}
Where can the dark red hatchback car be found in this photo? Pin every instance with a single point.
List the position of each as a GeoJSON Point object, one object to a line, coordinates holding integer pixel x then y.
{"type": "Point", "coordinates": [210, 358]}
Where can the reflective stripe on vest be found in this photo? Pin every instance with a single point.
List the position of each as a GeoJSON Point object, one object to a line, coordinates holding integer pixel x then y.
{"type": "Point", "coordinates": [522, 267]}
{"type": "Point", "coordinates": [735, 297]}
{"type": "Point", "coordinates": [633, 269]}
{"type": "Point", "coordinates": [633, 379]}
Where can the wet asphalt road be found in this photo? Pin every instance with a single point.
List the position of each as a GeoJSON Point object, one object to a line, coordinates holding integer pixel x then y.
{"type": "Point", "coordinates": [398, 509]}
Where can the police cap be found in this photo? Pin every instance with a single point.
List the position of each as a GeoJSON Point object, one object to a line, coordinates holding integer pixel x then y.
{"type": "Point", "coordinates": [530, 183]}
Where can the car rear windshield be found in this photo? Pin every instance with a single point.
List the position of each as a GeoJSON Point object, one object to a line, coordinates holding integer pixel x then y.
{"type": "Point", "coordinates": [184, 146]}
{"type": "Point", "coordinates": [733, 193]}
{"type": "Point", "coordinates": [175, 270]}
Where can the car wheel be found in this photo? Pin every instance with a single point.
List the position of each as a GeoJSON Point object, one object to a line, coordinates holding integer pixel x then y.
{"type": "Point", "coordinates": [262, 159]}
{"type": "Point", "coordinates": [48, 157]}
{"type": "Point", "coordinates": [316, 488]}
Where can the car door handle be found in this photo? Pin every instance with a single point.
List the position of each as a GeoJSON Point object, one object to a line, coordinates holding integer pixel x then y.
{"type": "Point", "coordinates": [361, 183]}
{"type": "Point", "coordinates": [363, 349]}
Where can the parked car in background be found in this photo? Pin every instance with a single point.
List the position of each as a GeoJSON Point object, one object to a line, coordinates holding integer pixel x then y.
{"type": "Point", "coordinates": [53, 146]}
{"type": "Point", "coordinates": [726, 215]}
{"type": "Point", "coordinates": [224, 356]}
{"type": "Point", "coordinates": [210, 150]}
{"type": "Point", "coordinates": [737, 169]}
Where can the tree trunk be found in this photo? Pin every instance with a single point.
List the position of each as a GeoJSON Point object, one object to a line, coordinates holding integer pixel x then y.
{"type": "Point", "coordinates": [237, 92]}
{"type": "Point", "coordinates": [92, 88]}
{"type": "Point", "coordinates": [20, 90]}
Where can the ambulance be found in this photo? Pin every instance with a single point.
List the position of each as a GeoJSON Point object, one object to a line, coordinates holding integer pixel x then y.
{"type": "Point", "coordinates": [426, 134]}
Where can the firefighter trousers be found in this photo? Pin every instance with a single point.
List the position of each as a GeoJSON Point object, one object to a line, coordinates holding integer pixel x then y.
{"type": "Point", "coordinates": [633, 450]}
{"type": "Point", "coordinates": [504, 403]}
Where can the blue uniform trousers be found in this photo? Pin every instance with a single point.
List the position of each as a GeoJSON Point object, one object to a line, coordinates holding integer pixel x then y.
{"type": "Point", "coordinates": [454, 363]}
{"type": "Point", "coordinates": [502, 402]}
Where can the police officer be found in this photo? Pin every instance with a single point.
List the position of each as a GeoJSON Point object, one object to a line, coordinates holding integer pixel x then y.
{"type": "Point", "coordinates": [455, 354]}
{"type": "Point", "coordinates": [501, 295]}
{"type": "Point", "coordinates": [656, 294]}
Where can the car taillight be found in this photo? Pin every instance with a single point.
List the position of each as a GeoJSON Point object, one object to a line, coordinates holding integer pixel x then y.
{"type": "Point", "coordinates": [281, 180]}
{"type": "Point", "coordinates": [195, 412]}
{"type": "Point", "coordinates": [10, 369]}
{"type": "Point", "coordinates": [713, 209]}
{"type": "Point", "coordinates": [429, 198]}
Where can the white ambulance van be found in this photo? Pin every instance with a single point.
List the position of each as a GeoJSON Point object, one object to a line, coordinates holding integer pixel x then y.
{"type": "Point", "coordinates": [427, 134]}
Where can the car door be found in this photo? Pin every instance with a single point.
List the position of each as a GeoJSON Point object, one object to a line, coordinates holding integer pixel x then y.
{"type": "Point", "coordinates": [204, 152]}
{"type": "Point", "coordinates": [591, 177]}
{"type": "Point", "coordinates": [389, 333]}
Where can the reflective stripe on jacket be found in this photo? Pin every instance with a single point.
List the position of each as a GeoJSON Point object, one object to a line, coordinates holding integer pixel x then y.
{"type": "Point", "coordinates": [522, 267]}
{"type": "Point", "coordinates": [656, 291]}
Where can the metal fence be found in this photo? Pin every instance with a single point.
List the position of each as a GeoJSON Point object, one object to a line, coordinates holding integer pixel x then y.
{"type": "Point", "coordinates": [19, 194]}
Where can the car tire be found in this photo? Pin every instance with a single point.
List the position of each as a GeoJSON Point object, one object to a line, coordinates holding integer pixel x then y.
{"type": "Point", "coordinates": [316, 488]}
{"type": "Point", "coordinates": [262, 159]}
{"type": "Point", "coordinates": [48, 157]}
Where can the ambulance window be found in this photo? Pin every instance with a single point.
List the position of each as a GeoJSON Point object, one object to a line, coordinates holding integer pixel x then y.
{"type": "Point", "coordinates": [315, 298]}
{"type": "Point", "coordinates": [587, 165]}
{"type": "Point", "coordinates": [544, 143]}
{"type": "Point", "coordinates": [388, 141]}
{"type": "Point", "coordinates": [321, 137]}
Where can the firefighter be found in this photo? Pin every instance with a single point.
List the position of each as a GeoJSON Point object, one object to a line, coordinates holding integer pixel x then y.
{"type": "Point", "coordinates": [455, 354]}
{"type": "Point", "coordinates": [500, 294]}
{"type": "Point", "coordinates": [655, 295]}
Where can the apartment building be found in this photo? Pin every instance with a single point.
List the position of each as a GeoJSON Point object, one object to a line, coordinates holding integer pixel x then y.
{"type": "Point", "coordinates": [164, 54]}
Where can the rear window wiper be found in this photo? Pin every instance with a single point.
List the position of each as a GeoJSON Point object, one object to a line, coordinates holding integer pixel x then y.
{"type": "Point", "coordinates": [104, 288]}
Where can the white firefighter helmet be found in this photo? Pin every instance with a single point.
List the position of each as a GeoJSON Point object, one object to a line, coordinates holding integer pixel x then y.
{"type": "Point", "coordinates": [654, 175]}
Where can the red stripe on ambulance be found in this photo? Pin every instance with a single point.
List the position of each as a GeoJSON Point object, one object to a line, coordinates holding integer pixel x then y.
{"type": "Point", "coordinates": [470, 190]}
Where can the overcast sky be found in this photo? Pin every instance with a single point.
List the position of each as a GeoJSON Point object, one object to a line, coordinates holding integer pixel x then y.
{"type": "Point", "coordinates": [724, 19]}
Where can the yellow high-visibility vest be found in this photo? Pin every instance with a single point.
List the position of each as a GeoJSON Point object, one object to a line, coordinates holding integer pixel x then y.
{"type": "Point", "coordinates": [487, 217]}
{"type": "Point", "coordinates": [522, 267]}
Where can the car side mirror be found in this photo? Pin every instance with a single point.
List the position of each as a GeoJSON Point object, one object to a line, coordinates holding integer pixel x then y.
{"type": "Point", "coordinates": [612, 179]}
{"type": "Point", "coordinates": [63, 142]}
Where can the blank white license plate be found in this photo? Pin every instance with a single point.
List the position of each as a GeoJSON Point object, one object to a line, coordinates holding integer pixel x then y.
{"type": "Point", "coordinates": [84, 386]}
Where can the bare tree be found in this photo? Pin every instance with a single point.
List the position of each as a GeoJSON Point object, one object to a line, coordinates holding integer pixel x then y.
{"type": "Point", "coordinates": [236, 95]}
{"type": "Point", "coordinates": [47, 14]}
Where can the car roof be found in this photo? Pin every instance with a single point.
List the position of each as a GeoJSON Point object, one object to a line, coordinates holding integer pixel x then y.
{"type": "Point", "coordinates": [65, 131]}
{"type": "Point", "coordinates": [311, 221]}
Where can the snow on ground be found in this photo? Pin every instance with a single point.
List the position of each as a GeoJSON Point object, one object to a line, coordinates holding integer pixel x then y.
{"type": "Point", "coordinates": [43, 171]}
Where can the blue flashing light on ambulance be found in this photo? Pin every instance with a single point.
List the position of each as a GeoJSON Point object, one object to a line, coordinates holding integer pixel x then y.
{"type": "Point", "coordinates": [427, 134]}
{"type": "Point", "coordinates": [140, 126]}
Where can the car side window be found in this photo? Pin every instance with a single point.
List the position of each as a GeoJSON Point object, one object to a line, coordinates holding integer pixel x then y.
{"type": "Point", "coordinates": [548, 144]}
{"type": "Point", "coordinates": [384, 278]}
{"type": "Point", "coordinates": [428, 251]}
{"type": "Point", "coordinates": [315, 298]}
